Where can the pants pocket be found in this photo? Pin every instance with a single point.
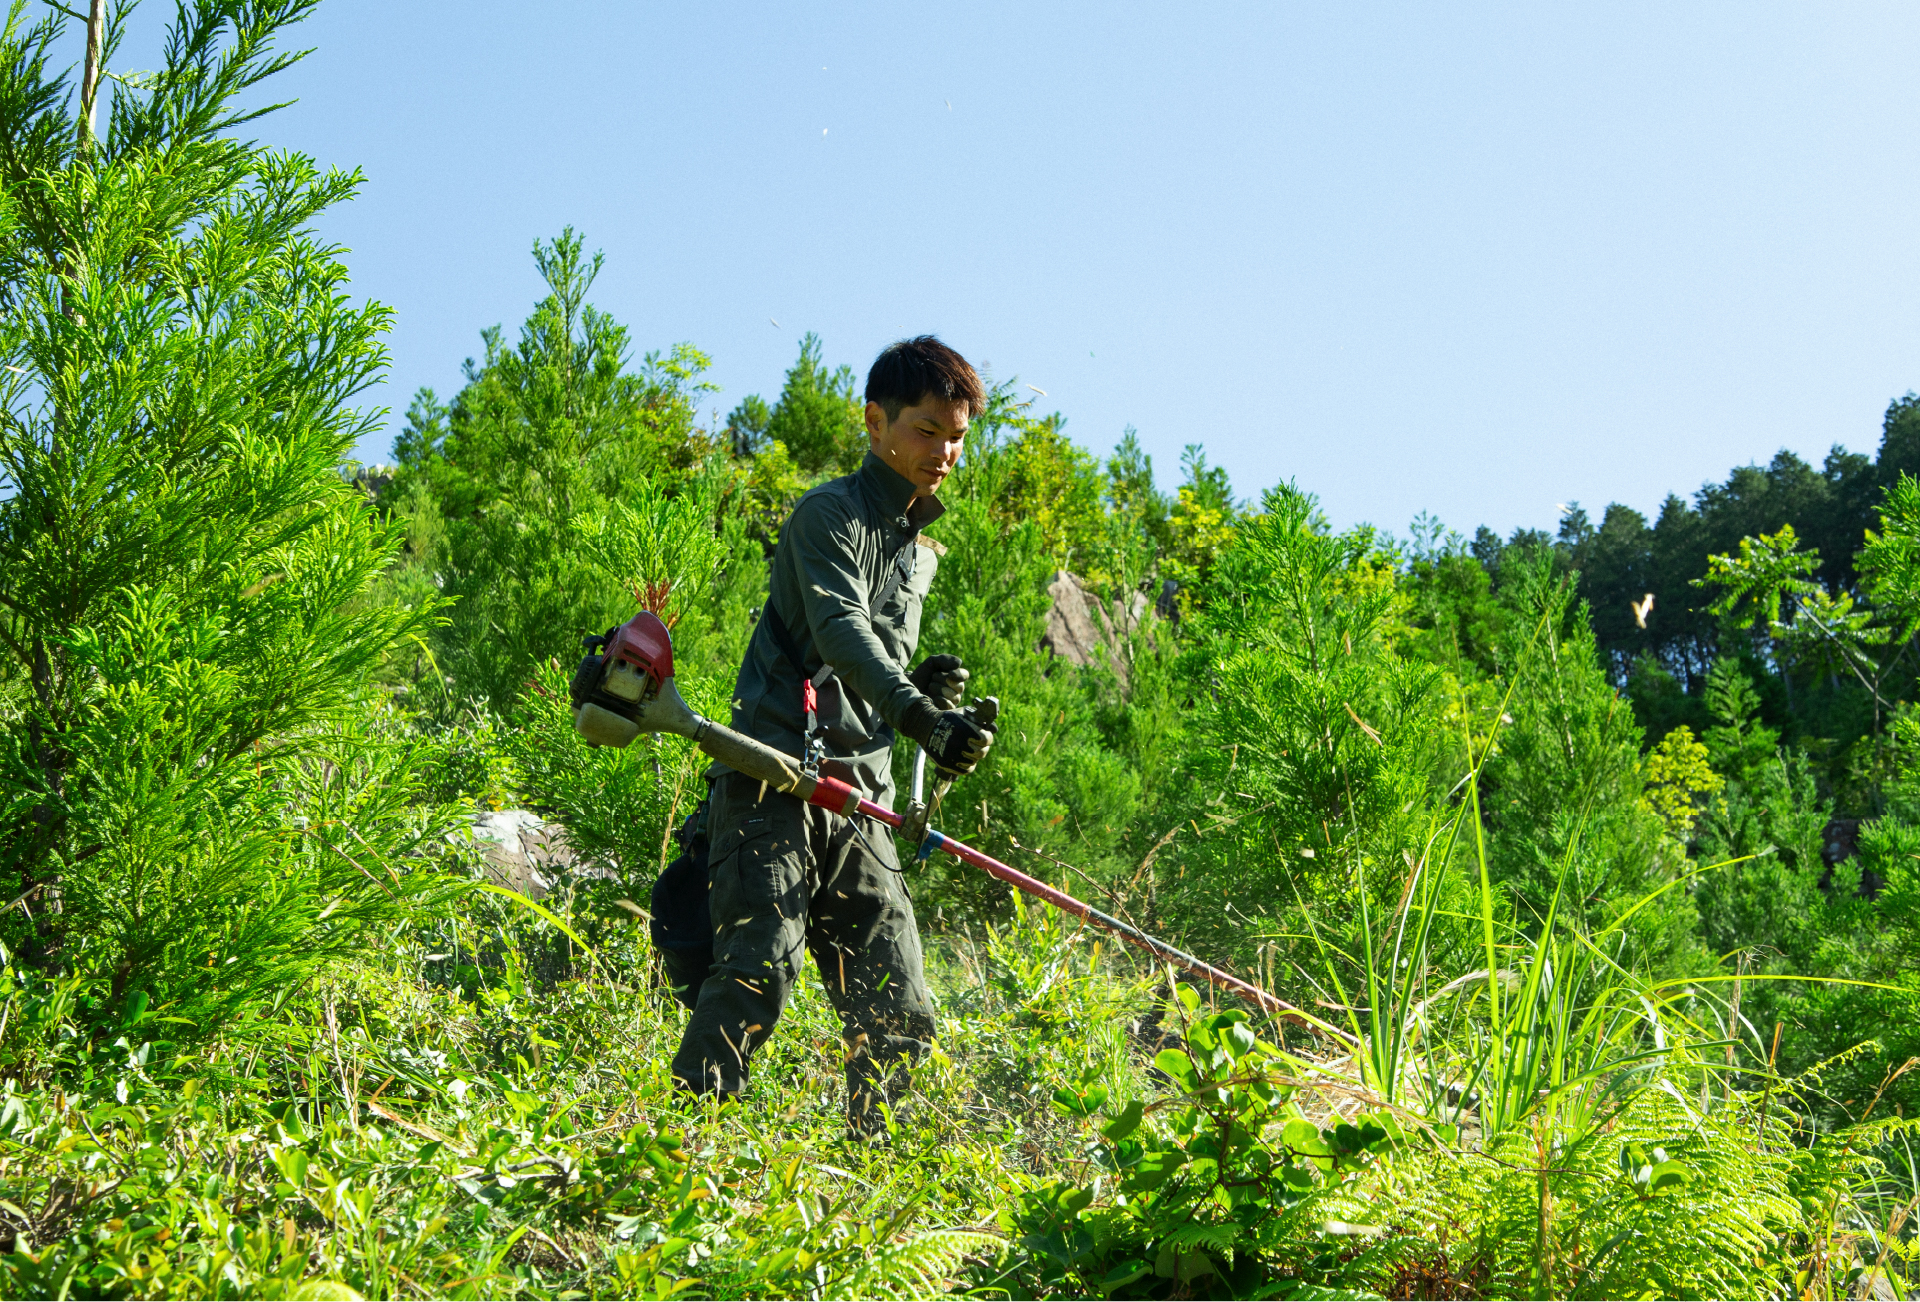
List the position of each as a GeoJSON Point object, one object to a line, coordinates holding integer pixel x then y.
{"type": "Point", "coordinates": [764, 869]}
{"type": "Point", "coordinates": [758, 898]}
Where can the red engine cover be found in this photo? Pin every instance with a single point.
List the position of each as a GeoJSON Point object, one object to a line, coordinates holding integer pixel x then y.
{"type": "Point", "coordinates": [644, 643]}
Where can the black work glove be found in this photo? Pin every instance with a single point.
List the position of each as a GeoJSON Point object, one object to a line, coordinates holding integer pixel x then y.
{"type": "Point", "coordinates": [941, 680]}
{"type": "Point", "coordinates": [958, 743]}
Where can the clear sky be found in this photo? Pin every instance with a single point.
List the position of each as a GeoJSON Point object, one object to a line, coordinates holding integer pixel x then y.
{"type": "Point", "coordinates": [1471, 259]}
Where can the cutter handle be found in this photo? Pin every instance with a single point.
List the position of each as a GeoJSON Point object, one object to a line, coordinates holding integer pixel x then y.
{"type": "Point", "coordinates": [756, 759]}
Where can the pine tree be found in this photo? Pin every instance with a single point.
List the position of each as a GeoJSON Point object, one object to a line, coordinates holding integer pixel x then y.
{"type": "Point", "coordinates": [182, 607]}
{"type": "Point", "coordinates": [501, 482]}
{"type": "Point", "coordinates": [818, 418]}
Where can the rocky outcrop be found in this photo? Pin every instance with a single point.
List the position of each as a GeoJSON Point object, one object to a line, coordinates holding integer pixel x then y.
{"type": "Point", "coordinates": [523, 852]}
{"type": "Point", "coordinates": [1082, 629]}
{"type": "Point", "coordinates": [372, 480]}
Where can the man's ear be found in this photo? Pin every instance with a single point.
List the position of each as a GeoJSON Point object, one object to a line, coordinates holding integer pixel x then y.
{"type": "Point", "coordinates": [876, 421]}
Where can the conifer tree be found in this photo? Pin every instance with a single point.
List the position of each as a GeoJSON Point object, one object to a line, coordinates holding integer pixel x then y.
{"type": "Point", "coordinates": [505, 483]}
{"type": "Point", "coordinates": [819, 416]}
{"type": "Point", "coordinates": [181, 611]}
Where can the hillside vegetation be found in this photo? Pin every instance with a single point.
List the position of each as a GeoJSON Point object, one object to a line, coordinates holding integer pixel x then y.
{"type": "Point", "coordinates": [1603, 914]}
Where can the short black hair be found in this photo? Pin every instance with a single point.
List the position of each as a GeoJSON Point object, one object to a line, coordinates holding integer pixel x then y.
{"type": "Point", "coordinates": [922, 367]}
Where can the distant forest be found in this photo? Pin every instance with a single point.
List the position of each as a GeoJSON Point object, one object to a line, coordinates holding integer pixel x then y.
{"type": "Point", "coordinates": [1661, 657]}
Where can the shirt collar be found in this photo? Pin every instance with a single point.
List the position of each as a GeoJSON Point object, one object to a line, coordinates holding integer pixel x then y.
{"type": "Point", "coordinates": [893, 493]}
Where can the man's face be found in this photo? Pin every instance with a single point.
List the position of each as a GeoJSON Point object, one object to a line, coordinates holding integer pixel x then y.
{"type": "Point", "coordinates": [922, 443]}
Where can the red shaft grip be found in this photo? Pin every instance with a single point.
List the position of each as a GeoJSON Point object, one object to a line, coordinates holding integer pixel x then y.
{"type": "Point", "coordinates": [832, 793]}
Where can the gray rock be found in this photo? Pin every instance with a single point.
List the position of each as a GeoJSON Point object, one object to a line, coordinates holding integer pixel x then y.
{"type": "Point", "coordinates": [523, 852]}
{"type": "Point", "coordinates": [1081, 629]}
{"type": "Point", "coordinates": [1071, 634]}
{"type": "Point", "coordinates": [372, 480]}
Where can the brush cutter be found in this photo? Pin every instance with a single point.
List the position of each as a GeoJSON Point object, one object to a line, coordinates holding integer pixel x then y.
{"type": "Point", "coordinates": [626, 688]}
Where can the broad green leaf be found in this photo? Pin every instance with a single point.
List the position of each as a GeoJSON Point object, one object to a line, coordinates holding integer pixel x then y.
{"type": "Point", "coordinates": [1178, 1066]}
{"type": "Point", "coordinates": [1080, 1103]}
{"type": "Point", "coordinates": [1302, 1136]}
{"type": "Point", "coordinates": [1240, 1039]}
{"type": "Point", "coordinates": [1152, 1170]}
{"type": "Point", "coordinates": [1126, 1123]}
{"type": "Point", "coordinates": [324, 1290]}
{"type": "Point", "coordinates": [1666, 1175]}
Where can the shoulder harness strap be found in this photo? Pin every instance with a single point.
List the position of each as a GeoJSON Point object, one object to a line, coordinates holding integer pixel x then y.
{"type": "Point", "coordinates": [809, 685]}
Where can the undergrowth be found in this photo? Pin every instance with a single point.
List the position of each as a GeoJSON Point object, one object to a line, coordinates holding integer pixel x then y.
{"type": "Point", "coordinates": [439, 1118]}
{"type": "Point", "coordinates": [422, 1123]}
{"type": "Point", "coordinates": [268, 1030]}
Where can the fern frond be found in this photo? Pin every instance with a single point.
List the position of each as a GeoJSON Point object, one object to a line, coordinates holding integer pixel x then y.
{"type": "Point", "coordinates": [917, 1267]}
{"type": "Point", "coordinates": [1217, 1237]}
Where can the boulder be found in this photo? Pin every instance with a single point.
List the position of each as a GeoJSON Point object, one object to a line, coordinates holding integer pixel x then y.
{"type": "Point", "coordinates": [372, 480]}
{"type": "Point", "coordinates": [1082, 629]}
{"type": "Point", "coordinates": [523, 852]}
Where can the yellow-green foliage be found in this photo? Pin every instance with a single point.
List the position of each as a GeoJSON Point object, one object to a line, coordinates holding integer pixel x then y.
{"type": "Point", "coordinates": [774, 485]}
{"type": "Point", "coordinates": [1201, 529]}
{"type": "Point", "coordinates": [1055, 484]}
{"type": "Point", "coordinates": [1680, 780]}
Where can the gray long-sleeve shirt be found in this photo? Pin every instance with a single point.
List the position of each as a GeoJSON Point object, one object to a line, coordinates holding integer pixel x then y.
{"type": "Point", "coordinates": [830, 569]}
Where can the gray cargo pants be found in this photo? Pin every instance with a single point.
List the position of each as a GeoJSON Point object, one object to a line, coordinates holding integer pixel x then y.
{"type": "Point", "coordinates": [787, 877]}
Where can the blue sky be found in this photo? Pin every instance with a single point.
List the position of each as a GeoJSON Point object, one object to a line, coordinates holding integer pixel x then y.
{"type": "Point", "coordinates": [1470, 259]}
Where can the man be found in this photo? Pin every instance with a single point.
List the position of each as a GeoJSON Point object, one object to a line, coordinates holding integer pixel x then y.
{"type": "Point", "coordinates": [843, 614]}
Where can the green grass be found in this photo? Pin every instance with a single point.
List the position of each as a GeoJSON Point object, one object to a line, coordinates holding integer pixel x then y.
{"type": "Point", "coordinates": [439, 1126]}
{"type": "Point", "coordinates": [406, 1135]}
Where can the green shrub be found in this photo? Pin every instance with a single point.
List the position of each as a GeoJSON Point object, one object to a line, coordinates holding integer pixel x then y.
{"type": "Point", "coordinates": [505, 488]}
{"type": "Point", "coordinates": [1309, 771]}
{"type": "Point", "coordinates": [196, 805]}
